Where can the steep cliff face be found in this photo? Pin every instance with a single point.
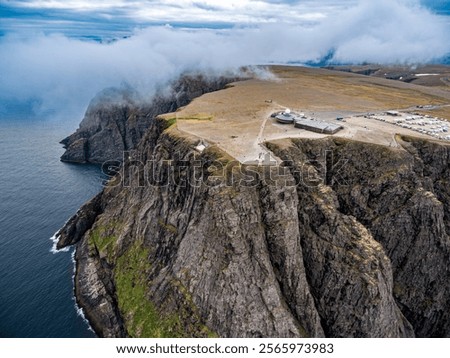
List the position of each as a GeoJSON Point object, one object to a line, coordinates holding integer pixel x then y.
{"type": "Point", "coordinates": [400, 198]}
{"type": "Point", "coordinates": [344, 239]}
{"type": "Point", "coordinates": [117, 119]}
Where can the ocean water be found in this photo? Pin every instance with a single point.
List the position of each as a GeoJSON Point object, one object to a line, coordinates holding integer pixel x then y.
{"type": "Point", "coordinates": [38, 194]}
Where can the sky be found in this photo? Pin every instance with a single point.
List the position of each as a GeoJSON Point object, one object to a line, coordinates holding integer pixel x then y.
{"type": "Point", "coordinates": [112, 15]}
{"type": "Point", "coordinates": [55, 52]}
{"type": "Point", "coordinates": [87, 16]}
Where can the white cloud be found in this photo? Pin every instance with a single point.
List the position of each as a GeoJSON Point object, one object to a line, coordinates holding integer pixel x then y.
{"type": "Point", "coordinates": [65, 73]}
{"type": "Point", "coordinates": [197, 11]}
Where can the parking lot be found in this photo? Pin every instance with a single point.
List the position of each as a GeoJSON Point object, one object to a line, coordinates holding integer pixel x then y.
{"type": "Point", "coordinates": [424, 124]}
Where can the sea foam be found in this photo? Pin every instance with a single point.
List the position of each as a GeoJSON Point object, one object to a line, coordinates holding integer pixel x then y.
{"type": "Point", "coordinates": [78, 309]}
{"type": "Point", "coordinates": [55, 239]}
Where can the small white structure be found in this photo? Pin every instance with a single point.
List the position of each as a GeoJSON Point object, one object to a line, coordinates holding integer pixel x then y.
{"type": "Point", "coordinates": [201, 146]}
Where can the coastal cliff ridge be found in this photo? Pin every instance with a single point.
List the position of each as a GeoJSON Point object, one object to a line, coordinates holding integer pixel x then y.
{"type": "Point", "coordinates": [223, 222]}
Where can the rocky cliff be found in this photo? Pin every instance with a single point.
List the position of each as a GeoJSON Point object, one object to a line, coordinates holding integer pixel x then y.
{"type": "Point", "coordinates": [343, 239]}
{"type": "Point", "coordinates": [117, 118]}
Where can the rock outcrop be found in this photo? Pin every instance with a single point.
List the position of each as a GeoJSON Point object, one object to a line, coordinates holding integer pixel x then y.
{"type": "Point", "coordinates": [401, 200]}
{"type": "Point", "coordinates": [117, 119]}
{"type": "Point", "coordinates": [345, 239]}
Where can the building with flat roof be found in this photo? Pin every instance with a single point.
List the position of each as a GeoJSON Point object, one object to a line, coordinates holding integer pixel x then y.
{"type": "Point", "coordinates": [317, 126]}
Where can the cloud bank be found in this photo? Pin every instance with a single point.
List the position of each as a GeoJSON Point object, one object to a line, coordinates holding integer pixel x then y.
{"type": "Point", "coordinates": [54, 72]}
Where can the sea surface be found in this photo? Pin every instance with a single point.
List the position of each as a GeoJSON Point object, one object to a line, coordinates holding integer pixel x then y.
{"type": "Point", "coordinates": [38, 195]}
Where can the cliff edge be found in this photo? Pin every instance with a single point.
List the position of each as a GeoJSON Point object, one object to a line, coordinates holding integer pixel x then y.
{"type": "Point", "coordinates": [117, 118]}
{"type": "Point", "coordinates": [335, 238]}
{"type": "Point", "coordinates": [360, 252]}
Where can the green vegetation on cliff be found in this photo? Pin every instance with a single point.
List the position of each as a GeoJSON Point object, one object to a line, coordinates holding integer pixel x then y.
{"type": "Point", "coordinates": [131, 271]}
{"type": "Point", "coordinates": [142, 317]}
